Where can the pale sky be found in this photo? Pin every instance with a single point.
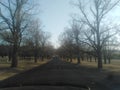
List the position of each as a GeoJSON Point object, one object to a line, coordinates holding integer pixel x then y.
{"type": "Point", "coordinates": [55, 16]}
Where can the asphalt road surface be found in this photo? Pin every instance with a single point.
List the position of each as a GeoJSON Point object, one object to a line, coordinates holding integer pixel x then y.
{"type": "Point", "coordinates": [55, 75]}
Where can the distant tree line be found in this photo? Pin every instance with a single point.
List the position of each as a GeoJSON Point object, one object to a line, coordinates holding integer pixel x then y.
{"type": "Point", "coordinates": [27, 52]}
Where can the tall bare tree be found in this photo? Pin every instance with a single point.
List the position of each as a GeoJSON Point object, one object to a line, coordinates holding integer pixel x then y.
{"type": "Point", "coordinates": [77, 29]}
{"type": "Point", "coordinates": [14, 18]}
{"type": "Point", "coordinates": [92, 14]}
{"type": "Point", "coordinates": [34, 36]}
{"type": "Point", "coordinates": [66, 42]}
{"type": "Point", "coordinates": [45, 37]}
{"type": "Point", "coordinates": [109, 49]}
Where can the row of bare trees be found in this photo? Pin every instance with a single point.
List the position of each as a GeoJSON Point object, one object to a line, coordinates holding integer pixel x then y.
{"type": "Point", "coordinates": [89, 32]}
{"type": "Point", "coordinates": [19, 29]}
{"type": "Point", "coordinates": [38, 40]}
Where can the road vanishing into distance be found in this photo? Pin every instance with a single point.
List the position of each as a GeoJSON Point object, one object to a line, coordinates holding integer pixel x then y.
{"type": "Point", "coordinates": [54, 75]}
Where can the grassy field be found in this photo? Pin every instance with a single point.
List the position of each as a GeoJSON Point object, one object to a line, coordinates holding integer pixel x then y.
{"type": "Point", "coordinates": [113, 67]}
{"type": "Point", "coordinates": [87, 71]}
{"type": "Point", "coordinates": [6, 71]}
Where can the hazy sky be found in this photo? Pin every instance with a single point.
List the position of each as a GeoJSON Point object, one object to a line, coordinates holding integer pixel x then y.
{"type": "Point", "coordinates": [55, 16]}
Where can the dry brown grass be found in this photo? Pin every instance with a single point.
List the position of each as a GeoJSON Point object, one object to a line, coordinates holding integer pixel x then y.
{"type": "Point", "coordinates": [6, 71]}
{"type": "Point", "coordinates": [87, 72]}
{"type": "Point", "coordinates": [113, 67]}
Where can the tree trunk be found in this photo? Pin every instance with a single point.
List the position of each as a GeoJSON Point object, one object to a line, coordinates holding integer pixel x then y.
{"type": "Point", "coordinates": [99, 56]}
{"type": "Point", "coordinates": [87, 58]}
{"type": "Point", "coordinates": [82, 57]}
{"type": "Point", "coordinates": [10, 53]}
{"type": "Point", "coordinates": [78, 54]}
{"type": "Point", "coordinates": [90, 58]}
{"type": "Point", "coordinates": [36, 54]}
{"type": "Point", "coordinates": [35, 59]}
{"type": "Point", "coordinates": [14, 56]}
{"type": "Point", "coordinates": [109, 60]}
{"type": "Point", "coordinates": [95, 59]}
{"type": "Point", "coordinates": [78, 59]}
{"type": "Point", "coordinates": [9, 58]}
{"type": "Point", "coordinates": [105, 60]}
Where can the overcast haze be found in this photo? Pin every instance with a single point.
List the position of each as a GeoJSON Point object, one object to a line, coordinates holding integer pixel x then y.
{"type": "Point", "coordinates": [55, 16]}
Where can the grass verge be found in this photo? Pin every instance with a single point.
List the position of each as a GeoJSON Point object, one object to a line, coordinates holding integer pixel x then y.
{"type": "Point", "coordinates": [6, 71]}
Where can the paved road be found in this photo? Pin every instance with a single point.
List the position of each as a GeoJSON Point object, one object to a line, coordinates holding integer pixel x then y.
{"type": "Point", "coordinates": [56, 72]}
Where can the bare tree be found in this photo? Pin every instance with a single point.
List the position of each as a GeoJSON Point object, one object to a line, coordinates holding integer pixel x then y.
{"type": "Point", "coordinates": [109, 49]}
{"type": "Point", "coordinates": [45, 37]}
{"type": "Point", "coordinates": [33, 36]}
{"type": "Point", "coordinates": [38, 39]}
{"type": "Point", "coordinates": [77, 36]}
{"type": "Point", "coordinates": [14, 18]}
{"type": "Point", "coordinates": [49, 51]}
{"type": "Point", "coordinates": [66, 41]}
{"type": "Point", "coordinates": [93, 15]}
